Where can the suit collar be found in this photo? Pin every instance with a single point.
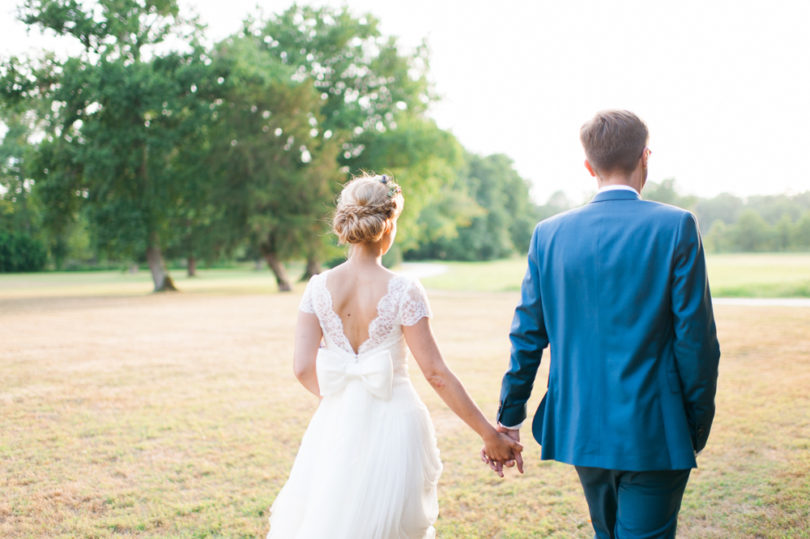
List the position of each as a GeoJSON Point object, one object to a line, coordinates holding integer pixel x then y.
{"type": "Point", "coordinates": [616, 194]}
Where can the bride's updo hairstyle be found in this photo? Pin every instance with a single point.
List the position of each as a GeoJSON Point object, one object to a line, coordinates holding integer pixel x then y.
{"type": "Point", "coordinates": [367, 207]}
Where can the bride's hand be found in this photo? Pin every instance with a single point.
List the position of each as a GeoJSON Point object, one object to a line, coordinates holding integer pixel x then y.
{"type": "Point", "coordinates": [502, 448]}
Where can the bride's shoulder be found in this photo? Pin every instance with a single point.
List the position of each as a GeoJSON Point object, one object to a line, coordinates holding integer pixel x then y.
{"type": "Point", "coordinates": [404, 280]}
{"type": "Point", "coordinates": [408, 287]}
{"type": "Point", "coordinates": [412, 300]}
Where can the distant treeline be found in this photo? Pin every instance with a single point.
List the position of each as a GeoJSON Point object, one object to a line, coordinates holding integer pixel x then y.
{"type": "Point", "coordinates": [763, 223]}
{"type": "Point", "coordinates": [151, 145]}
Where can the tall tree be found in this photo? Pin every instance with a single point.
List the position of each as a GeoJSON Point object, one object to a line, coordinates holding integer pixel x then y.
{"type": "Point", "coordinates": [275, 166]}
{"type": "Point", "coordinates": [367, 86]}
{"type": "Point", "coordinates": [21, 248]}
{"type": "Point", "coordinates": [119, 110]}
{"type": "Point", "coordinates": [15, 185]}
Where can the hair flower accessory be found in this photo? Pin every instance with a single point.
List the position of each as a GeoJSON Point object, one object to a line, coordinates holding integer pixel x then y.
{"type": "Point", "coordinates": [394, 189]}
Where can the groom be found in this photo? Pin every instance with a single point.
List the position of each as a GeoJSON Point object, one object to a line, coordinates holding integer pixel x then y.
{"type": "Point", "coordinates": [618, 291]}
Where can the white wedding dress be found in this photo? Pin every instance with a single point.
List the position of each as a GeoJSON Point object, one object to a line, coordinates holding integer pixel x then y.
{"type": "Point", "coordinates": [368, 462]}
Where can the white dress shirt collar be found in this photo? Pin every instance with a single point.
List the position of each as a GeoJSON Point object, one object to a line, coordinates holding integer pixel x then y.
{"type": "Point", "coordinates": [616, 188]}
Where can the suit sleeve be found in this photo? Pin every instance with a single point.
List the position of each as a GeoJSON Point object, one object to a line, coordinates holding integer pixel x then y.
{"type": "Point", "coordinates": [528, 338]}
{"type": "Point", "coordinates": [697, 352]}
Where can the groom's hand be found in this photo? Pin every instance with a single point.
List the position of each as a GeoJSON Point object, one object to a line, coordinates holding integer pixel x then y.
{"type": "Point", "coordinates": [495, 457]}
{"type": "Point", "coordinates": [518, 457]}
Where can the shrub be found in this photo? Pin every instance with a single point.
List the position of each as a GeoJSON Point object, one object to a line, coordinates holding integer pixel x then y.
{"type": "Point", "coordinates": [19, 252]}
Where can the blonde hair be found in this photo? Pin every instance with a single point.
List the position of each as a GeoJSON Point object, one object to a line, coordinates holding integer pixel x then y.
{"type": "Point", "coordinates": [366, 208]}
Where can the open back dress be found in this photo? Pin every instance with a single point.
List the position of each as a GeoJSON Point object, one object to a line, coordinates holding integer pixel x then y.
{"type": "Point", "coordinates": [368, 464]}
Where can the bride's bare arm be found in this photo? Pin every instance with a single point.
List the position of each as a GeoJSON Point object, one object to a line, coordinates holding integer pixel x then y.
{"type": "Point", "coordinates": [419, 337]}
{"type": "Point", "coordinates": [308, 336]}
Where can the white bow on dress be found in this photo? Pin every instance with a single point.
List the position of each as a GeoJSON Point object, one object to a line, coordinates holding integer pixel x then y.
{"type": "Point", "coordinates": [336, 368]}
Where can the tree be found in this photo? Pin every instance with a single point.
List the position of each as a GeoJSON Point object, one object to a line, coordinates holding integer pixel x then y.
{"type": "Point", "coordinates": [666, 192]}
{"type": "Point", "coordinates": [750, 233]}
{"type": "Point", "coordinates": [23, 241]}
{"type": "Point", "coordinates": [557, 202]}
{"type": "Point", "coordinates": [370, 93]}
{"type": "Point", "coordinates": [774, 207]}
{"type": "Point", "coordinates": [15, 186]}
{"type": "Point", "coordinates": [717, 239]}
{"type": "Point", "coordinates": [504, 218]}
{"type": "Point", "coordinates": [782, 237]}
{"type": "Point", "coordinates": [801, 232]}
{"type": "Point", "coordinates": [426, 161]}
{"type": "Point", "coordinates": [724, 207]}
{"type": "Point", "coordinates": [276, 172]}
{"type": "Point", "coordinates": [20, 252]}
{"type": "Point", "coordinates": [118, 112]}
{"type": "Point", "coordinates": [363, 79]}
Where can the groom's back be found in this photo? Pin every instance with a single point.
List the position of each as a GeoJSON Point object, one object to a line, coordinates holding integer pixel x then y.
{"type": "Point", "coordinates": [609, 264]}
{"type": "Point", "coordinates": [606, 276]}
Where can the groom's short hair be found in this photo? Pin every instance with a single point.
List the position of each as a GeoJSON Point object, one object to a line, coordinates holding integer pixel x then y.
{"type": "Point", "coordinates": [614, 140]}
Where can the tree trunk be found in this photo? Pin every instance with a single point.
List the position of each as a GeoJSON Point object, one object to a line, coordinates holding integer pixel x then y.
{"type": "Point", "coordinates": [278, 270]}
{"type": "Point", "coordinates": [191, 266]}
{"type": "Point", "coordinates": [313, 268]}
{"type": "Point", "coordinates": [163, 282]}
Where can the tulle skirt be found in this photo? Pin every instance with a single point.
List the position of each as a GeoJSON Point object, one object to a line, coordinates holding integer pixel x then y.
{"type": "Point", "coordinates": [366, 468]}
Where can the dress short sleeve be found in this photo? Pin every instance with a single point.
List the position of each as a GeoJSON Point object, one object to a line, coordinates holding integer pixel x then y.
{"type": "Point", "coordinates": [414, 305]}
{"type": "Point", "coordinates": [306, 305]}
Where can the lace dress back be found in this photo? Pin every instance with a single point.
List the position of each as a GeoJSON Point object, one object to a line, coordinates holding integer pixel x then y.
{"type": "Point", "coordinates": [404, 304]}
{"type": "Point", "coordinates": [368, 464]}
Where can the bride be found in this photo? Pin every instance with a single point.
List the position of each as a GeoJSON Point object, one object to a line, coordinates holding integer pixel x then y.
{"type": "Point", "coordinates": [368, 462]}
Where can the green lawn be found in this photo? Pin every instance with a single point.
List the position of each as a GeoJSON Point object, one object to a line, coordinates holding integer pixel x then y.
{"type": "Point", "coordinates": [730, 275]}
{"type": "Point", "coordinates": [495, 276]}
{"type": "Point", "coordinates": [112, 283]}
{"type": "Point", "coordinates": [776, 275]}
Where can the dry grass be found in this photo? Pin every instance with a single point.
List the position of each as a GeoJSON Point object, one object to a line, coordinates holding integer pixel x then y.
{"type": "Point", "coordinates": [178, 415]}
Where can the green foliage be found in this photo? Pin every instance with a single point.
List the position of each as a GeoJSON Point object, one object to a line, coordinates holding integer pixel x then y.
{"type": "Point", "coordinates": [425, 161]}
{"type": "Point", "coordinates": [113, 118]}
{"type": "Point", "coordinates": [499, 224]}
{"type": "Point", "coordinates": [666, 192]}
{"type": "Point", "coordinates": [370, 108]}
{"type": "Point", "coordinates": [20, 253]}
{"type": "Point", "coordinates": [764, 223]}
{"type": "Point", "coordinates": [750, 233]}
{"type": "Point", "coordinates": [362, 77]}
{"type": "Point", "coordinates": [108, 27]}
{"type": "Point", "coordinates": [801, 232]}
{"type": "Point", "coordinates": [724, 208]}
{"type": "Point", "coordinates": [274, 172]}
{"type": "Point", "coordinates": [557, 202]}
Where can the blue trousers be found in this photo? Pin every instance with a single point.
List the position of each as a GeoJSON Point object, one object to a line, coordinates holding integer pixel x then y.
{"type": "Point", "coordinates": [638, 505]}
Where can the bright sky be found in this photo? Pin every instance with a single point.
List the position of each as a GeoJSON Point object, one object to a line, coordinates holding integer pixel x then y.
{"type": "Point", "coordinates": [724, 86]}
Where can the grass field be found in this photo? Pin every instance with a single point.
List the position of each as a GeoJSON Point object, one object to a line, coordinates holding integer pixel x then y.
{"type": "Point", "coordinates": [177, 415]}
{"type": "Point", "coordinates": [730, 275]}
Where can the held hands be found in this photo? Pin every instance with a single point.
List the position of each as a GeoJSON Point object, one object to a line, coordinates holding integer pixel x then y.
{"type": "Point", "coordinates": [502, 448]}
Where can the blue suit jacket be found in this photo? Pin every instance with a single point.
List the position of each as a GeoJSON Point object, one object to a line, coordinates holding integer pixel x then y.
{"type": "Point", "coordinates": [618, 290]}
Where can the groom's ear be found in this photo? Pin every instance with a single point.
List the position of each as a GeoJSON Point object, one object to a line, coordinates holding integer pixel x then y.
{"type": "Point", "coordinates": [590, 168]}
